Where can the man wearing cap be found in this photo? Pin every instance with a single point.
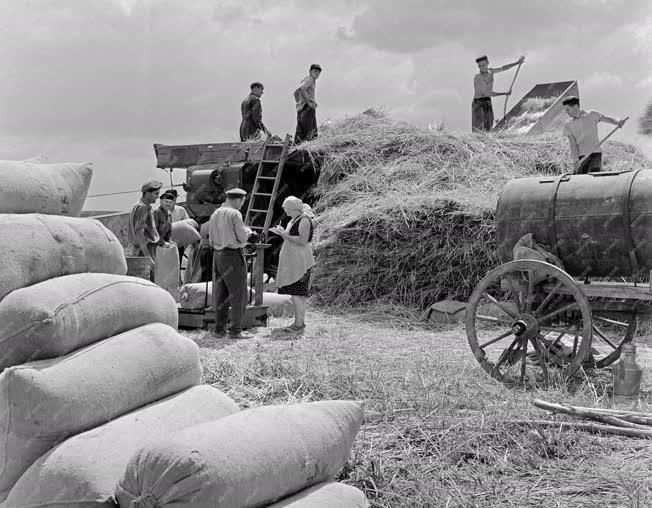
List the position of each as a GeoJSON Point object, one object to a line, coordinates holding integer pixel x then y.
{"type": "Point", "coordinates": [178, 212]}
{"type": "Point", "coordinates": [228, 235]}
{"type": "Point", "coordinates": [482, 113]}
{"type": "Point", "coordinates": [306, 106]}
{"type": "Point", "coordinates": [142, 232]}
{"type": "Point", "coordinates": [252, 114]}
{"type": "Point", "coordinates": [582, 133]}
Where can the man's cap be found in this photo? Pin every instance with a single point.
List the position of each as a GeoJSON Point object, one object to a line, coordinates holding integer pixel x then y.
{"type": "Point", "coordinates": [173, 192]}
{"type": "Point", "coordinates": [152, 185]}
{"type": "Point", "coordinates": [481, 58]}
{"type": "Point", "coordinates": [168, 195]}
{"type": "Point", "coordinates": [256, 84]}
{"type": "Point", "coordinates": [315, 66]}
{"type": "Point", "coordinates": [236, 193]}
{"type": "Point", "coordinates": [570, 100]}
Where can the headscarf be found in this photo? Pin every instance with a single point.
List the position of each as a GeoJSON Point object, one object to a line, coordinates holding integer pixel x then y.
{"type": "Point", "coordinates": [294, 203]}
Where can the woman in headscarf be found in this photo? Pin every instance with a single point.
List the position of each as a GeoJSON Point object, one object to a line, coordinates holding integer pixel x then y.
{"type": "Point", "coordinates": [295, 259]}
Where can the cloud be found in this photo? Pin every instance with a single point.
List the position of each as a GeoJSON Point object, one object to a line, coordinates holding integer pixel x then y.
{"type": "Point", "coordinates": [500, 24]}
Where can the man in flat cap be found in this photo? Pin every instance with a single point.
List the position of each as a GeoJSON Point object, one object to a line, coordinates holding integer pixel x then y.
{"type": "Point", "coordinates": [482, 113]}
{"type": "Point", "coordinates": [306, 106]}
{"type": "Point", "coordinates": [252, 114]}
{"type": "Point", "coordinates": [582, 133]}
{"type": "Point", "coordinates": [142, 232]}
{"type": "Point", "coordinates": [228, 235]}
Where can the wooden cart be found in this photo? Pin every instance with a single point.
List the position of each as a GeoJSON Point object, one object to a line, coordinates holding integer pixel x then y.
{"type": "Point", "coordinates": [530, 318]}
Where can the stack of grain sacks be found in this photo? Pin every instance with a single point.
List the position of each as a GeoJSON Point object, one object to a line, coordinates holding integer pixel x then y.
{"type": "Point", "coordinates": [101, 402]}
{"type": "Point", "coordinates": [81, 345]}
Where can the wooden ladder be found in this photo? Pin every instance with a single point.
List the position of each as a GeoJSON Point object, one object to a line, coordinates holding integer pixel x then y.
{"type": "Point", "coordinates": [268, 170]}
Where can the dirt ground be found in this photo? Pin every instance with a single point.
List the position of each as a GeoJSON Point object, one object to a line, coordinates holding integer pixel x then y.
{"type": "Point", "coordinates": [438, 431]}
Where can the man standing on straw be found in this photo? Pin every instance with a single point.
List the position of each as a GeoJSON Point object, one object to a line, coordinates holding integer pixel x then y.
{"type": "Point", "coordinates": [482, 113]}
{"type": "Point", "coordinates": [582, 133]}
{"type": "Point", "coordinates": [306, 106]}
{"type": "Point", "coordinates": [252, 114]}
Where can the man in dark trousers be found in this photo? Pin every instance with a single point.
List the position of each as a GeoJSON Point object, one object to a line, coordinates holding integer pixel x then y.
{"type": "Point", "coordinates": [582, 133]}
{"type": "Point", "coordinates": [482, 113]}
{"type": "Point", "coordinates": [142, 233]}
{"type": "Point", "coordinates": [227, 236]}
{"type": "Point", "coordinates": [252, 114]}
{"type": "Point", "coordinates": [306, 106]}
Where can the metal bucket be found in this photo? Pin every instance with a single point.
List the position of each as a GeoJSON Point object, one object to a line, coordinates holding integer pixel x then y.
{"type": "Point", "coordinates": [139, 266]}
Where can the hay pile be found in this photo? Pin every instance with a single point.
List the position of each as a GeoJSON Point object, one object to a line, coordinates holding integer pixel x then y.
{"type": "Point", "coordinates": [531, 111]}
{"type": "Point", "coordinates": [405, 215]}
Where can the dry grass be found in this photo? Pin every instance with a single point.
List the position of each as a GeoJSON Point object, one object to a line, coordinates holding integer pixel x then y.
{"type": "Point", "coordinates": [405, 215]}
{"type": "Point", "coordinates": [437, 431]}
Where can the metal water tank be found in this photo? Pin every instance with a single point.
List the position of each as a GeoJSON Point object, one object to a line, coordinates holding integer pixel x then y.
{"type": "Point", "coordinates": [598, 224]}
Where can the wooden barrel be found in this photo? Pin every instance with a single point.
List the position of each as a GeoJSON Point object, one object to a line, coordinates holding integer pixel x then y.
{"type": "Point", "coordinates": [598, 224]}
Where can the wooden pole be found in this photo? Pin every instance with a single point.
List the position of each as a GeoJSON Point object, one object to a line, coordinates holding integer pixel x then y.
{"type": "Point", "coordinates": [579, 163]}
{"type": "Point", "coordinates": [510, 90]}
{"type": "Point", "coordinates": [619, 420]}
{"type": "Point", "coordinates": [589, 426]}
{"type": "Point", "coordinates": [258, 272]}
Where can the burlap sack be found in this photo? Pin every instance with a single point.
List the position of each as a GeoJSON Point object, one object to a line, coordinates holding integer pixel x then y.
{"type": "Point", "coordinates": [35, 247]}
{"type": "Point", "coordinates": [84, 470]}
{"type": "Point", "coordinates": [326, 495]}
{"type": "Point", "coordinates": [55, 317]}
{"type": "Point", "coordinates": [166, 270]}
{"type": "Point", "coordinates": [34, 187]}
{"type": "Point", "coordinates": [248, 459]}
{"type": "Point", "coordinates": [192, 297]}
{"type": "Point", "coordinates": [184, 232]}
{"type": "Point", "coordinates": [44, 402]}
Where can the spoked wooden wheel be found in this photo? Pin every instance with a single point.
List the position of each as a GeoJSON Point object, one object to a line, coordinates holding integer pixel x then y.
{"type": "Point", "coordinates": [610, 333]}
{"type": "Point", "coordinates": [515, 329]}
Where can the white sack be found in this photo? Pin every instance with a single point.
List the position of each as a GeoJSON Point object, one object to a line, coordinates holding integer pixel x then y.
{"type": "Point", "coordinates": [36, 187]}
{"type": "Point", "coordinates": [47, 401]}
{"type": "Point", "coordinates": [60, 315]}
{"type": "Point", "coordinates": [35, 248]}
{"type": "Point", "coordinates": [84, 470]}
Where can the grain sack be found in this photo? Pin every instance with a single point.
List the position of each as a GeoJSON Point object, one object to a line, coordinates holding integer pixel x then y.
{"type": "Point", "coordinates": [84, 470]}
{"type": "Point", "coordinates": [184, 232]}
{"type": "Point", "coordinates": [34, 187]}
{"type": "Point", "coordinates": [326, 495]}
{"type": "Point", "coordinates": [60, 315]}
{"type": "Point", "coordinates": [193, 296]}
{"type": "Point", "coordinates": [35, 247]}
{"type": "Point", "coordinates": [278, 305]}
{"type": "Point", "coordinates": [46, 401]}
{"type": "Point", "coordinates": [38, 159]}
{"type": "Point", "coordinates": [166, 270]}
{"type": "Point", "coordinates": [247, 459]}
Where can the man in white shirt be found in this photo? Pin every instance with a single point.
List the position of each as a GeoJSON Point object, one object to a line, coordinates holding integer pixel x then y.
{"type": "Point", "coordinates": [228, 235]}
{"type": "Point", "coordinates": [306, 106]}
{"type": "Point", "coordinates": [482, 113]}
{"type": "Point", "coordinates": [582, 133]}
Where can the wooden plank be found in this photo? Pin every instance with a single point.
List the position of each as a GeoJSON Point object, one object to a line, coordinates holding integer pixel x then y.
{"type": "Point", "coordinates": [613, 290]}
{"type": "Point", "coordinates": [191, 155]}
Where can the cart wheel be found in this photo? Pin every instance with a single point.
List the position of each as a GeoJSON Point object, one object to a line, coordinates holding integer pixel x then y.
{"type": "Point", "coordinates": [607, 333]}
{"type": "Point", "coordinates": [508, 313]}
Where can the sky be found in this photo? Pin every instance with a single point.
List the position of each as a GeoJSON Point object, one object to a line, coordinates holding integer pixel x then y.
{"type": "Point", "coordinates": [103, 80]}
